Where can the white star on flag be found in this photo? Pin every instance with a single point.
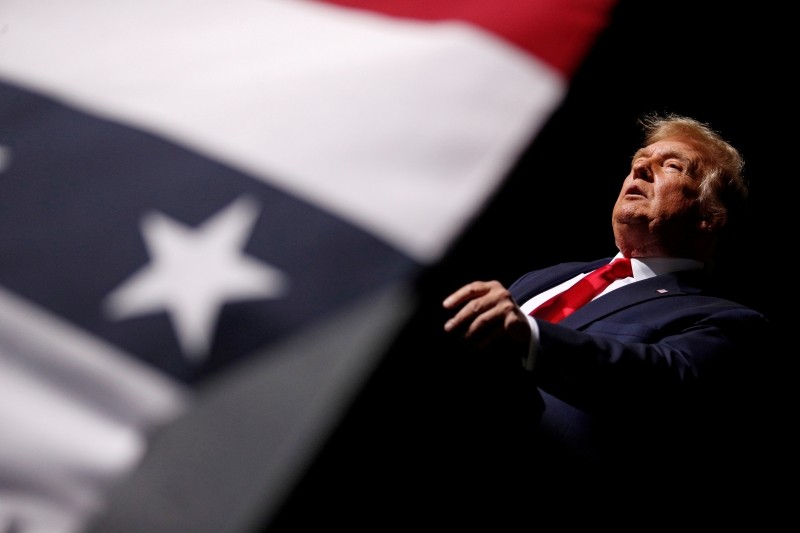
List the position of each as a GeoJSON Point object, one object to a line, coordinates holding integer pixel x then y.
{"type": "Point", "coordinates": [193, 272]}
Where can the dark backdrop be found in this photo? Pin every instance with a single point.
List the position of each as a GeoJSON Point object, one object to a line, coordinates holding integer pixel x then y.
{"type": "Point", "coordinates": [434, 439]}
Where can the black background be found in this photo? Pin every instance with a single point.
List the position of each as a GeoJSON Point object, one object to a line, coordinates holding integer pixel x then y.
{"type": "Point", "coordinates": [427, 443]}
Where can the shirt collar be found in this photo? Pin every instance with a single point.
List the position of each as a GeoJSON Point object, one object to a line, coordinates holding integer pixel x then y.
{"type": "Point", "coordinates": [647, 267]}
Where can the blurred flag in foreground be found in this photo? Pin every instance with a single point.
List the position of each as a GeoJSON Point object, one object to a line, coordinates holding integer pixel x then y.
{"type": "Point", "coordinates": [212, 216]}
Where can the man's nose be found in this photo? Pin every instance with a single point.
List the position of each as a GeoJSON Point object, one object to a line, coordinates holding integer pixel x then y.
{"type": "Point", "coordinates": [642, 169]}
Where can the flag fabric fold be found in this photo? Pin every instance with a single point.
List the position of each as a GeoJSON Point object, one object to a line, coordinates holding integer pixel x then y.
{"type": "Point", "coordinates": [188, 185]}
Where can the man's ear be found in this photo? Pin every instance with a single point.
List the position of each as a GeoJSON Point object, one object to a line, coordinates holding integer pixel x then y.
{"type": "Point", "coordinates": [711, 223]}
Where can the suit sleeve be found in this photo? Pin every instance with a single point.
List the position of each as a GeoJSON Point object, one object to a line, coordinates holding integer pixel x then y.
{"type": "Point", "coordinates": [665, 360]}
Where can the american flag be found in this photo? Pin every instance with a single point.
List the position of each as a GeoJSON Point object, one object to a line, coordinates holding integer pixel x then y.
{"type": "Point", "coordinates": [213, 216]}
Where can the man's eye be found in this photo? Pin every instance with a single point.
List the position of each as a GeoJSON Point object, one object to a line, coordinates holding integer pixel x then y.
{"type": "Point", "coordinates": [673, 167]}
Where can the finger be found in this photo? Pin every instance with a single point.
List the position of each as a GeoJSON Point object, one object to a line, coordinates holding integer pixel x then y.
{"type": "Point", "coordinates": [503, 326]}
{"type": "Point", "coordinates": [472, 310]}
{"type": "Point", "coordinates": [487, 316]}
{"type": "Point", "coordinates": [468, 292]}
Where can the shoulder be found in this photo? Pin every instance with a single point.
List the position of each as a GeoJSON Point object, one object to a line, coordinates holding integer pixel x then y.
{"type": "Point", "coordinates": [542, 279]}
{"type": "Point", "coordinates": [570, 267]}
{"type": "Point", "coordinates": [705, 292]}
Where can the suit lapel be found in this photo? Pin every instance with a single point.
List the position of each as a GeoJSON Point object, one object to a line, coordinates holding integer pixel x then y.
{"type": "Point", "coordinates": [666, 285]}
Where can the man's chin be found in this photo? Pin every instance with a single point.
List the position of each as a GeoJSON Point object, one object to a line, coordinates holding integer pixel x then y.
{"type": "Point", "coordinates": [630, 217]}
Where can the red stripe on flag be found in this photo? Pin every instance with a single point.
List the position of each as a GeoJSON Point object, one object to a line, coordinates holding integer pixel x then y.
{"type": "Point", "coordinates": [559, 32]}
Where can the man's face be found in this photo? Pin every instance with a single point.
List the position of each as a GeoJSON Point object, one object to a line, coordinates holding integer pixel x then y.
{"type": "Point", "coordinates": [661, 190]}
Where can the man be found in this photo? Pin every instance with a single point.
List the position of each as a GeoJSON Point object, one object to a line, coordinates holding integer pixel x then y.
{"type": "Point", "coordinates": [651, 382]}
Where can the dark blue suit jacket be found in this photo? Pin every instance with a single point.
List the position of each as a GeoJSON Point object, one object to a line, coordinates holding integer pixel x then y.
{"type": "Point", "coordinates": [655, 377]}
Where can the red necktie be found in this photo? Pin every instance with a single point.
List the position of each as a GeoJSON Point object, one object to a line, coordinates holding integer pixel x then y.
{"type": "Point", "coordinates": [563, 304]}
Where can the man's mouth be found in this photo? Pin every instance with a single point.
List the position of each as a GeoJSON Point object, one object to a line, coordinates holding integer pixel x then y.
{"type": "Point", "coordinates": [635, 191]}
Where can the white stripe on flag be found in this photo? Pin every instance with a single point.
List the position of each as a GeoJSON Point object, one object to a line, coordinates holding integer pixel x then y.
{"type": "Point", "coordinates": [73, 411]}
{"type": "Point", "coordinates": [402, 127]}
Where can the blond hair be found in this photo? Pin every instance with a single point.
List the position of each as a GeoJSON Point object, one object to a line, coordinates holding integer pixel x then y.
{"type": "Point", "coordinates": [723, 188]}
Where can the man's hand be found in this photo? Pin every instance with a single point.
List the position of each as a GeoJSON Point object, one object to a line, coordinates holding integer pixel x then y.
{"type": "Point", "coordinates": [488, 314]}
